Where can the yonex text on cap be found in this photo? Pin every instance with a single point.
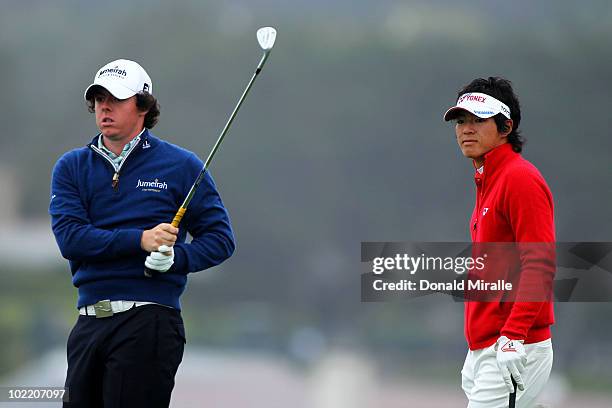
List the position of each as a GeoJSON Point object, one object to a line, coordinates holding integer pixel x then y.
{"type": "Point", "coordinates": [122, 78]}
{"type": "Point", "coordinates": [482, 105]}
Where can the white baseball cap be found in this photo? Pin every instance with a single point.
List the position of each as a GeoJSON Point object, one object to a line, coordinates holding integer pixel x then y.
{"type": "Point", "coordinates": [122, 78]}
{"type": "Point", "coordinates": [480, 104]}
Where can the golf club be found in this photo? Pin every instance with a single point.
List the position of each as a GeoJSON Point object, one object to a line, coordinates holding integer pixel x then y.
{"type": "Point", "coordinates": [265, 37]}
{"type": "Point", "coordinates": [512, 400]}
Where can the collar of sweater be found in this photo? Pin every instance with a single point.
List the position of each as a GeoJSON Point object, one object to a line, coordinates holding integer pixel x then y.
{"type": "Point", "coordinates": [118, 158]}
{"type": "Point", "coordinates": [495, 159]}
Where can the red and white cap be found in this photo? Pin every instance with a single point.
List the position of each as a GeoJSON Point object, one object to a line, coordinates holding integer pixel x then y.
{"type": "Point", "coordinates": [480, 104]}
{"type": "Point", "coordinates": [122, 78]}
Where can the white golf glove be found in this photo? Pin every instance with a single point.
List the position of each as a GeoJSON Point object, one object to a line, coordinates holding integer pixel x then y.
{"type": "Point", "coordinates": [159, 261]}
{"type": "Point", "coordinates": [511, 360]}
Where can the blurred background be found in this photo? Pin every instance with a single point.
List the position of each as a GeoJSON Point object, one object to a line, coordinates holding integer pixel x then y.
{"type": "Point", "coordinates": [340, 141]}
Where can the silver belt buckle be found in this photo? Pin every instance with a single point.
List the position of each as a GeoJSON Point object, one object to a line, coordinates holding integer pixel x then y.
{"type": "Point", "coordinates": [103, 309]}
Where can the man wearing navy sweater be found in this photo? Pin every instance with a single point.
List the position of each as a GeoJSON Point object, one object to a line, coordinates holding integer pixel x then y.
{"type": "Point", "coordinates": [507, 339]}
{"type": "Point", "coordinates": [111, 202]}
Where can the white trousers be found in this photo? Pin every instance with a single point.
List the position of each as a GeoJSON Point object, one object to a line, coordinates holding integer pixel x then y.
{"type": "Point", "coordinates": [484, 385]}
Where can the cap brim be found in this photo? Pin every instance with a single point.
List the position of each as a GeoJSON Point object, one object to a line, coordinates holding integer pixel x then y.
{"type": "Point", "coordinates": [117, 90]}
{"type": "Point", "coordinates": [453, 112]}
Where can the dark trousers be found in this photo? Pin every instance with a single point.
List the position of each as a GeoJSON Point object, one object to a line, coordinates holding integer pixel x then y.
{"type": "Point", "coordinates": [126, 360]}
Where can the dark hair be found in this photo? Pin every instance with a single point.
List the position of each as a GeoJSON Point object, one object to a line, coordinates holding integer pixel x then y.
{"type": "Point", "coordinates": [147, 102]}
{"type": "Point", "coordinates": [501, 89]}
{"type": "Point", "coordinates": [144, 102]}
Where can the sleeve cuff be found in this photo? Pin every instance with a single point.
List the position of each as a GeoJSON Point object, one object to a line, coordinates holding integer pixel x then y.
{"type": "Point", "coordinates": [512, 335]}
{"type": "Point", "coordinates": [179, 266]}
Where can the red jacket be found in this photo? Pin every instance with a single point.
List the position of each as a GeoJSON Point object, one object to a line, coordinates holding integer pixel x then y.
{"type": "Point", "coordinates": [513, 204]}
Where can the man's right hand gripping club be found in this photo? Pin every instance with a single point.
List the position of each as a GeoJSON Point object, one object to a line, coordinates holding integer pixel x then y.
{"type": "Point", "coordinates": [159, 242]}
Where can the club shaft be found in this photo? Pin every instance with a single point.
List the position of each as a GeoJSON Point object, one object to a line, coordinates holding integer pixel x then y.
{"type": "Point", "coordinates": [224, 131]}
{"type": "Point", "coordinates": [512, 398]}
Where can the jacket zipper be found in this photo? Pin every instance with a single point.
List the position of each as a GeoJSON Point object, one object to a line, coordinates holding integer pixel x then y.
{"type": "Point", "coordinates": [479, 192]}
{"type": "Point", "coordinates": [115, 182]}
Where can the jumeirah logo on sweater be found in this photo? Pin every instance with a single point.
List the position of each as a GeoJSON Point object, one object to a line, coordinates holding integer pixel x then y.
{"type": "Point", "coordinates": [156, 185]}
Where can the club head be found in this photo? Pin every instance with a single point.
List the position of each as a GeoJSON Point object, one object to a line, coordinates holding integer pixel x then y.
{"type": "Point", "coordinates": [266, 37]}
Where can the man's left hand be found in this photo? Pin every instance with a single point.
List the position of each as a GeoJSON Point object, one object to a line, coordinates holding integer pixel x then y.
{"type": "Point", "coordinates": [161, 260]}
{"type": "Point", "coordinates": [511, 360]}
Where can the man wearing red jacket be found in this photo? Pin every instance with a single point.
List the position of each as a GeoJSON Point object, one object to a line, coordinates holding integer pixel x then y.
{"type": "Point", "coordinates": [507, 339]}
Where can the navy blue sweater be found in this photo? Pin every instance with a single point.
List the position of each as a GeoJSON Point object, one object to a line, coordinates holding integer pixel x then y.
{"type": "Point", "coordinates": [98, 226]}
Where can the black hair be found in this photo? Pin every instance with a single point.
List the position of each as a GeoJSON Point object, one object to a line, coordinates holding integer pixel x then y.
{"type": "Point", "coordinates": [145, 102]}
{"type": "Point", "coordinates": [501, 89]}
